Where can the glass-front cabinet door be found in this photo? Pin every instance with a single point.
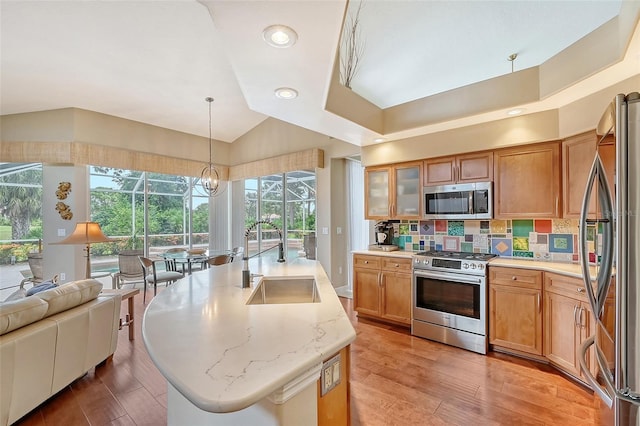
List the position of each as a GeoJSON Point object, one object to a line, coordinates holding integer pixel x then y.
{"type": "Point", "coordinates": [377, 202]}
{"type": "Point", "coordinates": [407, 191]}
{"type": "Point", "coordinates": [393, 191]}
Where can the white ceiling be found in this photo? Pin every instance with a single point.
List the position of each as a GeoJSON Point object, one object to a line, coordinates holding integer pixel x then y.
{"type": "Point", "coordinates": [456, 43]}
{"type": "Point", "coordinates": [156, 61]}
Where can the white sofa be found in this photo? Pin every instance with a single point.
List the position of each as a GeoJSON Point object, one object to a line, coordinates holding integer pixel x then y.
{"type": "Point", "coordinates": [50, 339]}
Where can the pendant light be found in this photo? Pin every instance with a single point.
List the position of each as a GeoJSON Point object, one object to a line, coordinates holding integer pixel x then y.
{"type": "Point", "coordinates": [210, 177]}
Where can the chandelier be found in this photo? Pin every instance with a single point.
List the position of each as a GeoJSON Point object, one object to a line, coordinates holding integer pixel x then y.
{"type": "Point", "coordinates": [210, 177]}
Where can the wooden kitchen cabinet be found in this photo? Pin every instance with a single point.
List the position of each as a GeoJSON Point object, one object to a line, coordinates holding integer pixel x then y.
{"type": "Point", "coordinates": [393, 191]}
{"type": "Point", "coordinates": [568, 323]}
{"type": "Point", "coordinates": [577, 157]}
{"type": "Point", "coordinates": [473, 167]}
{"type": "Point", "coordinates": [527, 181]}
{"type": "Point", "coordinates": [382, 287]}
{"type": "Point", "coordinates": [515, 309]}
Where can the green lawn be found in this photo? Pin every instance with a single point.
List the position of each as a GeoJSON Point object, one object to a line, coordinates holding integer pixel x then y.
{"type": "Point", "coordinates": [5, 232]}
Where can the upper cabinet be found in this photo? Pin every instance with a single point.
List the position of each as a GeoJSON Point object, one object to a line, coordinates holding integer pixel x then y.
{"type": "Point", "coordinates": [578, 153]}
{"type": "Point", "coordinates": [474, 167]}
{"type": "Point", "coordinates": [393, 191]}
{"type": "Point", "coordinates": [527, 181]}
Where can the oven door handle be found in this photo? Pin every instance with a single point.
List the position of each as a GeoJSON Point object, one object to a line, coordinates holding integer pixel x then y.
{"type": "Point", "coordinates": [449, 277]}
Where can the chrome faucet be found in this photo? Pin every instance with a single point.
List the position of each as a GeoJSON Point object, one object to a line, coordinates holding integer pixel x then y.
{"type": "Point", "coordinates": [246, 274]}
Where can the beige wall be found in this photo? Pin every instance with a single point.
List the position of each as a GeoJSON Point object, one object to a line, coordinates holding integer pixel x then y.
{"type": "Point", "coordinates": [518, 130]}
{"type": "Point", "coordinates": [339, 221]}
{"type": "Point", "coordinates": [584, 114]}
{"type": "Point", "coordinates": [67, 259]}
{"type": "Point", "coordinates": [92, 128]}
{"type": "Point", "coordinates": [574, 118]}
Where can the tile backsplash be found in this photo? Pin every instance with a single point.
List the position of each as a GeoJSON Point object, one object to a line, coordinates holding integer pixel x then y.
{"type": "Point", "coordinates": [541, 239]}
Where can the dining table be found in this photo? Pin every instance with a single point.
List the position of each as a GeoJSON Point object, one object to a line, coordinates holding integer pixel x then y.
{"type": "Point", "coordinates": [187, 259]}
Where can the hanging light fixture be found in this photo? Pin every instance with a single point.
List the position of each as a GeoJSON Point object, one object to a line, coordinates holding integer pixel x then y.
{"type": "Point", "coordinates": [210, 177]}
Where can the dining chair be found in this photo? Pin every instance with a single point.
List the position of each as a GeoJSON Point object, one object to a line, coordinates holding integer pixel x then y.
{"type": "Point", "coordinates": [236, 252]}
{"type": "Point", "coordinates": [153, 276]}
{"type": "Point", "coordinates": [180, 251]}
{"type": "Point", "coordinates": [129, 270]}
{"type": "Point", "coordinates": [197, 257]}
{"type": "Point", "coordinates": [220, 260]}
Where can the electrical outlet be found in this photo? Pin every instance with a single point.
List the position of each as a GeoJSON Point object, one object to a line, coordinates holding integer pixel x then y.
{"type": "Point", "coordinates": [62, 276]}
{"type": "Point", "coordinates": [328, 380]}
{"type": "Point", "coordinates": [330, 374]}
{"type": "Point", "coordinates": [339, 230]}
{"type": "Point", "coordinates": [335, 374]}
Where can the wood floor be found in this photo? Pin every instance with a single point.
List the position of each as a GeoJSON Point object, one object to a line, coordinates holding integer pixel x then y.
{"type": "Point", "coordinates": [396, 379]}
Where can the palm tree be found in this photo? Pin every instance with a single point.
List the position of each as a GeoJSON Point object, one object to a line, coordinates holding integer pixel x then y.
{"type": "Point", "coordinates": [21, 197]}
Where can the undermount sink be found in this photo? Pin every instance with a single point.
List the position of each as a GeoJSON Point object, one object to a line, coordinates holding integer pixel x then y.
{"type": "Point", "coordinates": [289, 289]}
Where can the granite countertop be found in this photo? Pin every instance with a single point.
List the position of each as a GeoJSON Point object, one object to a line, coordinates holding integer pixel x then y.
{"type": "Point", "coordinates": [568, 269]}
{"type": "Point", "coordinates": [224, 355]}
{"type": "Point", "coordinates": [395, 253]}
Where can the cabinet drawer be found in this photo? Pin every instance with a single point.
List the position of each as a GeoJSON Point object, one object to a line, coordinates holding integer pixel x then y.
{"type": "Point", "coordinates": [395, 264]}
{"type": "Point", "coordinates": [364, 261]}
{"type": "Point", "coordinates": [515, 277]}
{"type": "Point", "coordinates": [568, 286]}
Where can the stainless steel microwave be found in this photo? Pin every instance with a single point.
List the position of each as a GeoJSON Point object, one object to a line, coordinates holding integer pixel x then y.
{"type": "Point", "coordinates": [458, 201]}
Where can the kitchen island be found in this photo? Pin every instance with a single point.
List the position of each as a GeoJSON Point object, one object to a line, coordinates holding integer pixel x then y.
{"type": "Point", "coordinates": [227, 362]}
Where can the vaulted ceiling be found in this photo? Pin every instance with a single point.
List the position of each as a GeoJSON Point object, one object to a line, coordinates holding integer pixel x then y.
{"type": "Point", "coordinates": [156, 61]}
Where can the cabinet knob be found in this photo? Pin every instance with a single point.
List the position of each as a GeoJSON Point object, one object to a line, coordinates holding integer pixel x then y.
{"type": "Point", "coordinates": [580, 289]}
{"type": "Point", "coordinates": [514, 278]}
{"type": "Point", "coordinates": [397, 265]}
{"type": "Point", "coordinates": [366, 261]}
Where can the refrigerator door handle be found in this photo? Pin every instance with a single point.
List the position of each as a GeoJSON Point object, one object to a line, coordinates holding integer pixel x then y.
{"type": "Point", "coordinates": [607, 394]}
{"type": "Point", "coordinates": [597, 175]}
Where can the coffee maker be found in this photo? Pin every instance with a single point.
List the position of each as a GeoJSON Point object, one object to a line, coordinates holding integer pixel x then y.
{"type": "Point", "coordinates": [384, 233]}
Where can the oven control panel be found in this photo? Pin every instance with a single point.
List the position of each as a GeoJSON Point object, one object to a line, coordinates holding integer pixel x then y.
{"type": "Point", "coordinates": [466, 266]}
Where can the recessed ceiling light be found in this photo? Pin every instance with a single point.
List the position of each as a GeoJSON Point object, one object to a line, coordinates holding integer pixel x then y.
{"type": "Point", "coordinates": [515, 111]}
{"type": "Point", "coordinates": [279, 36]}
{"type": "Point", "coordinates": [286, 93]}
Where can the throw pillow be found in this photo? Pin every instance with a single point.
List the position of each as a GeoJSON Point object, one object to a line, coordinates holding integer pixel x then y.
{"type": "Point", "coordinates": [46, 285]}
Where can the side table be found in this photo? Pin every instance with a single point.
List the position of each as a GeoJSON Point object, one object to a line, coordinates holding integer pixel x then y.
{"type": "Point", "coordinates": [126, 294]}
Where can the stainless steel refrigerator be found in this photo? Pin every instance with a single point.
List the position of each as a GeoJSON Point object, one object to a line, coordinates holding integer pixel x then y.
{"type": "Point", "coordinates": [610, 258]}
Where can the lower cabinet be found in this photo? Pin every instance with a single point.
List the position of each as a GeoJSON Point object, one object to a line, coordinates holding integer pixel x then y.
{"type": "Point", "coordinates": [546, 315]}
{"type": "Point", "coordinates": [382, 287]}
{"type": "Point", "coordinates": [568, 322]}
{"type": "Point", "coordinates": [515, 309]}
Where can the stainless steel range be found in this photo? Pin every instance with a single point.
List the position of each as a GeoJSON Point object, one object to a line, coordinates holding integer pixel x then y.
{"type": "Point", "coordinates": [450, 298]}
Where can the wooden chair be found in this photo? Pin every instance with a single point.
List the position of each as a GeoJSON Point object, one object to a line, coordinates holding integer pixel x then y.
{"type": "Point", "coordinates": [153, 276]}
{"type": "Point", "coordinates": [220, 260]}
{"type": "Point", "coordinates": [129, 270]}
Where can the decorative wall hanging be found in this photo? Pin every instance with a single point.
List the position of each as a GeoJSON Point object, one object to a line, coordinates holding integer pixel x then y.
{"type": "Point", "coordinates": [64, 188]}
{"type": "Point", "coordinates": [64, 210]}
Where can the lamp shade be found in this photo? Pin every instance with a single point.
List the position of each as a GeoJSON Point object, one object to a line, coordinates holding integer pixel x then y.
{"type": "Point", "coordinates": [86, 233]}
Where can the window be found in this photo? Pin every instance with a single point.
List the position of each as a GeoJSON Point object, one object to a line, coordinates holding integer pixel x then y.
{"type": "Point", "coordinates": [20, 220]}
{"type": "Point", "coordinates": [287, 200]}
{"type": "Point", "coordinates": [176, 214]}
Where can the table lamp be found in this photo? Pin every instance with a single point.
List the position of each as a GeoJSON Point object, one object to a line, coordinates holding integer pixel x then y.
{"type": "Point", "coordinates": [86, 233]}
